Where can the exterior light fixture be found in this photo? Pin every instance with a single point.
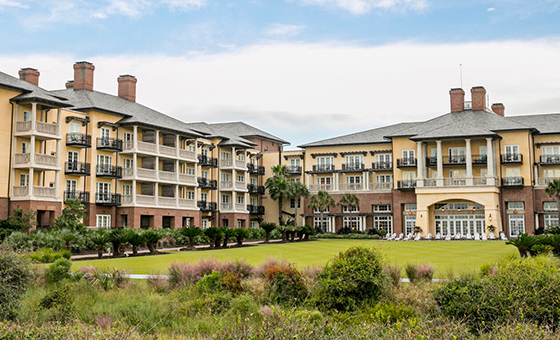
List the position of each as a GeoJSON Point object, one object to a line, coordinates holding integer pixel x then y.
{"type": "Point", "coordinates": [515, 212]}
{"type": "Point", "coordinates": [410, 213]}
{"type": "Point", "coordinates": [490, 217]}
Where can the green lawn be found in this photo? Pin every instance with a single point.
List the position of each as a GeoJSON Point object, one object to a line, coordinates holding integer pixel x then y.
{"type": "Point", "coordinates": [445, 256]}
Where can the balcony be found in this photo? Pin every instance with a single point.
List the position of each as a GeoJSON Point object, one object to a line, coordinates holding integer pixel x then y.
{"type": "Point", "coordinates": [255, 209]}
{"type": "Point", "coordinates": [322, 169]}
{"type": "Point", "coordinates": [233, 164]}
{"type": "Point", "coordinates": [255, 189]}
{"type": "Point", "coordinates": [240, 186]}
{"type": "Point", "coordinates": [406, 162]}
{"type": "Point", "coordinates": [108, 199]}
{"type": "Point", "coordinates": [406, 185]}
{"type": "Point", "coordinates": [320, 187]}
{"type": "Point", "coordinates": [168, 150]}
{"type": "Point", "coordinates": [550, 160]}
{"type": "Point", "coordinates": [168, 176]}
{"type": "Point", "coordinates": [512, 182]}
{"type": "Point", "coordinates": [294, 170]}
{"type": "Point", "coordinates": [42, 160]}
{"type": "Point", "coordinates": [255, 170]}
{"type": "Point", "coordinates": [77, 168]}
{"type": "Point", "coordinates": [209, 184]}
{"type": "Point", "coordinates": [479, 159]}
{"type": "Point", "coordinates": [207, 161]}
{"type": "Point", "coordinates": [187, 155]}
{"type": "Point", "coordinates": [78, 139]}
{"type": "Point", "coordinates": [545, 180]}
{"type": "Point", "coordinates": [511, 158]}
{"type": "Point", "coordinates": [109, 171]}
{"type": "Point", "coordinates": [382, 166]}
{"type": "Point", "coordinates": [113, 144]}
{"type": "Point", "coordinates": [147, 147]}
{"type": "Point", "coordinates": [205, 206]}
{"type": "Point", "coordinates": [382, 186]}
{"type": "Point", "coordinates": [187, 179]}
{"type": "Point", "coordinates": [146, 173]}
{"type": "Point", "coordinates": [351, 186]}
{"type": "Point", "coordinates": [186, 203]}
{"type": "Point", "coordinates": [83, 196]}
{"type": "Point", "coordinates": [226, 185]}
{"type": "Point", "coordinates": [38, 191]}
{"type": "Point", "coordinates": [42, 129]}
{"type": "Point", "coordinates": [143, 199]}
{"type": "Point", "coordinates": [166, 201]}
{"type": "Point", "coordinates": [351, 167]}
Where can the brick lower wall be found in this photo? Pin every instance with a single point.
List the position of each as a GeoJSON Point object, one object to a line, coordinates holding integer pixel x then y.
{"type": "Point", "coordinates": [400, 198]}
{"type": "Point", "coordinates": [524, 194]}
{"type": "Point", "coordinates": [232, 220]}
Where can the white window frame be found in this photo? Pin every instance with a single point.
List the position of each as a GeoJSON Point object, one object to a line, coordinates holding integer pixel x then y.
{"type": "Point", "coordinates": [23, 180]}
{"type": "Point", "coordinates": [520, 205]}
{"type": "Point", "coordinates": [103, 221]}
{"type": "Point", "coordinates": [516, 224]}
{"type": "Point", "coordinates": [383, 222]}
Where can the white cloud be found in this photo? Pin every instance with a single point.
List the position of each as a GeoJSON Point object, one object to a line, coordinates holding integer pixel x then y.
{"type": "Point", "coordinates": [491, 9]}
{"type": "Point", "coordinates": [306, 92]}
{"type": "Point", "coordinates": [283, 31]}
{"type": "Point", "coordinates": [185, 5]}
{"type": "Point", "coordinates": [10, 3]}
{"type": "Point", "coordinates": [364, 6]}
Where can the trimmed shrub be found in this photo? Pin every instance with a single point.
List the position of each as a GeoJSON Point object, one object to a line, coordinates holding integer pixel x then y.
{"type": "Point", "coordinates": [58, 271]}
{"type": "Point", "coordinates": [516, 289]}
{"type": "Point", "coordinates": [15, 277]}
{"type": "Point", "coordinates": [284, 284]}
{"type": "Point", "coordinates": [351, 279]}
{"type": "Point", "coordinates": [418, 273]}
{"type": "Point", "coordinates": [47, 255]}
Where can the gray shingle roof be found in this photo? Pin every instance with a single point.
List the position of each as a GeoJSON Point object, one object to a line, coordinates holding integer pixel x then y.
{"type": "Point", "coordinates": [133, 112]}
{"type": "Point", "coordinates": [245, 130]}
{"type": "Point", "coordinates": [372, 136]}
{"type": "Point", "coordinates": [545, 123]}
{"type": "Point", "coordinates": [473, 122]}
{"type": "Point", "coordinates": [31, 92]}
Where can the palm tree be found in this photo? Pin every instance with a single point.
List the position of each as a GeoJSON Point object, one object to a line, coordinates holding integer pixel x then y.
{"type": "Point", "coordinates": [227, 233]}
{"type": "Point", "coordinates": [278, 186]}
{"type": "Point", "coordinates": [214, 234]}
{"type": "Point", "coordinates": [136, 240]}
{"type": "Point", "coordinates": [241, 234]}
{"type": "Point", "coordinates": [268, 227]}
{"type": "Point", "coordinates": [99, 239]}
{"type": "Point", "coordinates": [349, 200]}
{"type": "Point", "coordinates": [524, 243]}
{"type": "Point", "coordinates": [553, 189]}
{"type": "Point", "coordinates": [191, 232]}
{"type": "Point", "coordinates": [152, 237]}
{"type": "Point", "coordinates": [297, 191]}
{"type": "Point", "coordinates": [321, 202]}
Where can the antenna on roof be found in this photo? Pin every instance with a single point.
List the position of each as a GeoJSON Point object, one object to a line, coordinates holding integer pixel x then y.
{"type": "Point", "coordinates": [461, 74]}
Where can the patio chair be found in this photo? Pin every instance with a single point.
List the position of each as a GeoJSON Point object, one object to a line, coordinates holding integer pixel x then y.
{"type": "Point", "coordinates": [484, 237]}
{"type": "Point", "coordinates": [448, 237]}
{"type": "Point", "coordinates": [401, 235]}
{"type": "Point", "coordinates": [503, 237]}
{"type": "Point", "coordinates": [418, 236]}
{"type": "Point", "coordinates": [469, 236]}
{"type": "Point", "coordinates": [458, 236]}
{"type": "Point", "coordinates": [476, 236]}
{"type": "Point", "coordinates": [429, 236]}
{"type": "Point", "coordinates": [438, 236]}
{"type": "Point", "coordinates": [491, 236]}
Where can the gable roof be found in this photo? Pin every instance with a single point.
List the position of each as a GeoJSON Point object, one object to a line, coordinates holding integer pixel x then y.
{"type": "Point", "coordinates": [544, 123]}
{"type": "Point", "coordinates": [373, 136]}
{"type": "Point", "coordinates": [245, 130]}
{"type": "Point", "coordinates": [31, 92]}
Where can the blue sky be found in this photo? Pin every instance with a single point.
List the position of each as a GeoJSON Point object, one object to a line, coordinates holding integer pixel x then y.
{"type": "Point", "coordinates": [301, 69]}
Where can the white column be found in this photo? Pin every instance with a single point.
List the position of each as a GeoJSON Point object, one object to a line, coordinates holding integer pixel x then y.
{"type": "Point", "coordinates": [135, 140]}
{"type": "Point", "coordinates": [157, 141]}
{"type": "Point", "coordinates": [419, 165]}
{"type": "Point", "coordinates": [134, 191]}
{"type": "Point", "coordinates": [177, 195]}
{"type": "Point", "coordinates": [58, 121]}
{"type": "Point", "coordinates": [33, 116]}
{"type": "Point", "coordinates": [425, 154]}
{"type": "Point", "coordinates": [469, 162]}
{"type": "Point", "coordinates": [135, 163]}
{"type": "Point", "coordinates": [367, 180]}
{"type": "Point", "coordinates": [536, 175]}
{"type": "Point", "coordinates": [334, 186]}
{"type": "Point", "coordinates": [177, 141]}
{"type": "Point", "coordinates": [156, 192]}
{"type": "Point", "coordinates": [234, 200]}
{"type": "Point", "coordinates": [490, 176]}
{"type": "Point", "coordinates": [32, 151]}
{"type": "Point", "coordinates": [31, 181]}
{"type": "Point", "coordinates": [536, 221]}
{"type": "Point", "coordinates": [57, 173]}
{"type": "Point", "coordinates": [364, 180]}
{"type": "Point", "coordinates": [157, 167]}
{"type": "Point", "coordinates": [439, 178]}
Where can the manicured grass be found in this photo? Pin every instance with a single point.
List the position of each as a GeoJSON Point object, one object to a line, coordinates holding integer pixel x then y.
{"type": "Point", "coordinates": [455, 256]}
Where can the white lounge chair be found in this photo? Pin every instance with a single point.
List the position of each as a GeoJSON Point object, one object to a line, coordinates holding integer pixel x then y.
{"type": "Point", "coordinates": [394, 236]}
{"type": "Point", "coordinates": [401, 235]}
{"type": "Point", "coordinates": [448, 237]}
{"type": "Point", "coordinates": [503, 237]}
{"type": "Point", "coordinates": [418, 236]}
{"type": "Point", "coordinates": [484, 237]}
{"type": "Point", "coordinates": [458, 236]}
{"type": "Point", "coordinates": [429, 236]}
{"type": "Point", "coordinates": [389, 237]}
{"type": "Point", "coordinates": [476, 236]}
{"type": "Point", "coordinates": [469, 236]}
{"type": "Point", "coordinates": [491, 236]}
{"type": "Point", "coordinates": [438, 236]}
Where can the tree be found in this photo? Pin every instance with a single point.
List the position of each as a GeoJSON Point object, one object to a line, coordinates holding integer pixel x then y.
{"type": "Point", "coordinates": [553, 189]}
{"type": "Point", "coordinates": [227, 234]}
{"type": "Point", "coordinates": [100, 239]}
{"type": "Point", "coordinates": [72, 216]}
{"type": "Point", "coordinates": [68, 237]}
{"type": "Point", "coordinates": [191, 233]}
{"type": "Point", "coordinates": [297, 191]}
{"type": "Point", "coordinates": [349, 200]}
{"type": "Point", "coordinates": [322, 202]}
{"type": "Point", "coordinates": [268, 227]}
{"type": "Point", "coordinates": [24, 222]}
{"type": "Point", "coordinates": [524, 243]}
{"type": "Point", "coordinates": [241, 234]}
{"type": "Point", "coordinates": [119, 238]}
{"type": "Point", "coordinates": [214, 234]}
{"type": "Point", "coordinates": [278, 186]}
{"type": "Point", "coordinates": [152, 237]}
{"type": "Point", "coordinates": [136, 240]}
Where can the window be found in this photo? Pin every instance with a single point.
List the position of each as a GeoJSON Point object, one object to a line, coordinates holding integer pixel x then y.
{"type": "Point", "coordinates": [226, 177]}
{"type": "Point", "coordinates": [408, 157]}
{"type": "Point", "coordinates": [128, 137]}
{"type": "Point", "coordinates": [511, 153]}
{"type": "Point", "coordinates": [124, 220]}
{"type": "Point", "coordinates": [410, 207]}
{"type": "Point", "coordinates": [128, 163]}
{"type": "Point", "coordinates": [483, 150]}
{"type": "Point", "coordinates": [225, 223]}
{"type": "Point", "coordinates": [295, 180]}
{"type": "Point", "coordinates": [382, 208]}
{"type": "Point", "coordinates": [241, 156]}
{"type": "Point", "coordinates": [204, 152]}
{"type": "Point", "coordinates": [354, 179]}
{"type": "Point", "coordinates": [23, 180]}
{"type": "Point", "coordinates": [253, 181]}
{"type": "Point", "coordinates": [384, 222]}
{"type": "Point", "coordinates": [353, 222]}
{"type": "Point", "coordinates": [103, 192]}
{"type": "Point", "coordinates": [226, 199]}
{"type": "Point", "coordinates": [293, 203]}
{"type": "Point", "coordinates": [103, 221]}
{"type": "Point", "coordinates": [190, 195]}
{"type": "Point", "coordinates": [384, 158]}
{"type": "Point", "coordinates": [240, 199]}
{"type": "Point", "coordinates": [551, 173]}
{"type": "Point", "coordinates": [516, 225]}
{"type": "Point", "coordinates": [190, 171]}
{"type": "Point", "coordinates": [549, 206]}
{"type": "Point", "coordinates": [240, 223]}
{"type": "Point", "coordinates": [186, 221]}
{"type": "Point", "coordinates": [191, 147]}
{"type": "Point", "coordinates": [225, 155]}
{"type": "Point", "coordinates": [515, 205]}
{"type": "Point", "coordinates": [27, 116]}
{"type": "Point", "coordinates": [456, 155]}
{"type": "Point", "coordinates": [105, 133]}
{"type": "Point", "coordinates": [384, 178]}
{"type": "Point", "coordinates": [104, 161]}
{"type": "Point", "coordinates": [324, 183]}
{"type": "Point", "coordinates": [241, 178]}
{"type": "Point", "coordinates": [254, 225]}
{"type": "Point", "coordinates": [74, 127]}
{"type": "Point", "coordinates": [295, 162]}
{"type": "Point", "coordinates": [409, 224]}
{"type": "Point", "coordinates": [71, 187]}
{"type": "Point", "coordinates": [408, 176]}
{"type": "Point", "coordinates": [550, 220]}
{"type": "Point", "coordinates": [324, 163]}
{"type": "Point", "coordinates": [204, 174]}
{"type": "Point", "coordinates": [203, 196]}
{"type": "Point", "coordinates": [127, 190]}
{"type": "Point", "coordinates": [324, 225]}
{"type": "Point", "coordinates": [25, 147]}
{"type": "Point", "coordinates": [347, 209]}
{"type": "Point", "coordinates": [204, 223]}
{"type": "Point", "coordinates": [354, 161]}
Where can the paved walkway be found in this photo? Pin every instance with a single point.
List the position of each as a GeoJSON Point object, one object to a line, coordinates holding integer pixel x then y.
{"type": "Point", "coordinates": [107, 255]}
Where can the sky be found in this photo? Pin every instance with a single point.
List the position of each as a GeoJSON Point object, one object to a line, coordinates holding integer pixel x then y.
{"type": "Point", "coordinates": [303, 70]}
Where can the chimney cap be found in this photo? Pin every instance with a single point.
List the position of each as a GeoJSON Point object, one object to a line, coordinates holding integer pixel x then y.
{"type": "Point", "coordinates": [127, 76]}
{"type": "Point", "coordinates": [84, 62]}
{"type": "Point", "coordinates": [456, 89]}
{"type": "Point", "coordinates": [497, 104]}
{"type": "Point", "coordinates": [478, 88]}
{"type": "Point", "coordinates": [29, 69]}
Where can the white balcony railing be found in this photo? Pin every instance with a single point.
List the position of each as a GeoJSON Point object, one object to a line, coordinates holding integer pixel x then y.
{"type": "Point", "coordinates": [127, 199]}
{"type": "Point", "coordinates": [185, 203]}
{"type": "Point", "coordinates": [226, 185]}
{"type": "Point", "coordinates": [47, 128]}
{"type": "Point", "coordinates": [168, 176]}
{"type": "Point", "coordinates": [128, 145]}
{"type": "Point", "coordinates": [187, 154]}
{"type": "Point", "coordinates": [321, 187]}
{"type": "Point", "coordinates": [168, 150]}
{"type": "Point", "coordinates": [381, 186]}
{"type": "Point", "coordinates": [20, 191]}
{"type": "Point", "coordinates": [146, 199]}
{"type": "Point", "coordinates": [46, 192]}
{"type": "Point", "coordinates": [167, 201]}
{"type": "Point", "coordinates": [240, 186]}
{"type": "Point", "coordinates": [146, 173]}
{"type": "Point", "coordinates": [226, 162]}
{"type": "Point", "coordinates": [545, 180]}
{"type": "Point", "coordinates": [240, 206]}
{"type": "Point", "coordinates": [43, 159]}
{"type": "Point", "coordinates": [226, 206]}
{"type": "Point", "coordinates": [22, 158]}
{"type": "Point", "coordinates": [128, 172]}
{"type": "Point", "coordinates": [240, 164]}
{"type": "Point", "coordinates": [352, 186]}
{"type": "Point", "coordinates": [187, 179]}
{"type": "Point", "coordinates": [23, 126]}
{"type": "Point", "coordinates": [147, 147]}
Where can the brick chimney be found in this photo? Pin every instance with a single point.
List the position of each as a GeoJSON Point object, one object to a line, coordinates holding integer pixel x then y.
{"type": "Point", "coordinates": [69, 84]}
{"type": "Point", "coordinates": [83, 76]}
{"type": "Point", "coordinates": [30, 75]}
{"type": "Point", "coordinates": [127, 87]}
{"type": "Point", "coordinates": [478, 98]}
{"type": "Point", "coordinates": [499, 109]}
{"type": "Point", "coordinates": [457, 100]}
